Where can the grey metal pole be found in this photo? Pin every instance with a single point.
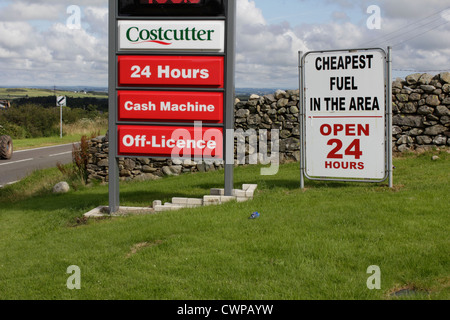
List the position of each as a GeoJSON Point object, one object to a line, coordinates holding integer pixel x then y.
{"type": "Point", "coordinates": [300, 117]}
{"type": "Point", "coordinates": [60, 121]}
{"type": "Point", "coordinates": [230, 97]}
{"type": "Point", "coordinates": [389, 108]}
{"type": "Point", "coordinates": [113, 170]}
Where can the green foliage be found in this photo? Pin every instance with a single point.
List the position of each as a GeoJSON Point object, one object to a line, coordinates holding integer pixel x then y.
{"type": "Point", "coordinates": [13, 130]}
{"type": "Point", "coordinates": [34, 121]}
{"type": "Point", "coordinates": [77, 170]}
{"type": "Point", "coordinates": [312, 244]}
{"type": "Point", "coordinates": [80, 156]}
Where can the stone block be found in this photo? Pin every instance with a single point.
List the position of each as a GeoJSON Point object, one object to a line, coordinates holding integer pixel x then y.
{"type": "Point", "coordinates": [194, 202]}
{"type": "Point", "coordinates": [162, 208]}
{"type": "Point", "coordinates": [217, 192]}
{"type": "Point", "coordinates": [249, 187]}
{"type": "Point", "coordinates": [239, 193]}
{"type": "Point", "coordinates": [249, 194]}
{"type": "Point", "coordinates": [180, 201]}
{"type": "Point", "coordinates": [157, 203]}
{"type": "Point", "coordinates": [211, 200]}
{"type": "Point", "coordinates": [224, 199]}
{"type": "Point", "coordinates": [177, 207]}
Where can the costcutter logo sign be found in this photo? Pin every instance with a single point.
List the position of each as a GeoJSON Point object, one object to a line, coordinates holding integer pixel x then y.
{"type": "Point", "coordinates": [172, 35]}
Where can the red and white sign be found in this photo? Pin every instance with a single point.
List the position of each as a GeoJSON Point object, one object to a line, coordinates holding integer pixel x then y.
{"type": "Point", "coordinates": [171, 71]}
{"type": "Point", "coordinates": [175, 142]}
{"type": "Point", "coordinates": [345, 114]}
{"type": "Point", "coordinates": [176, 106]}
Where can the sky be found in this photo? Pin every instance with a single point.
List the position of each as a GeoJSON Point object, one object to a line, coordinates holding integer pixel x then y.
{"type": "Point", "coordinates": [42, 45]}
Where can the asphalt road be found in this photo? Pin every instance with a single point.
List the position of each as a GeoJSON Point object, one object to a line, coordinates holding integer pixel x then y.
{"type": "Point", "coordinates": [24, 162]}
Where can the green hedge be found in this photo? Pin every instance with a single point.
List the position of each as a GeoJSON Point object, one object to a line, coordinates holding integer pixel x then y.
{"type": "Point", "coordinates": [34, 121]}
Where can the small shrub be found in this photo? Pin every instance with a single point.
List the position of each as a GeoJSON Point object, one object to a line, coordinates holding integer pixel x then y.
{"type": "Point", "coordinates": [35, 120]}
{"type": "Point", "coordinates": [13, 130]}
{"type": "Point", "coordinates": [80, 157]}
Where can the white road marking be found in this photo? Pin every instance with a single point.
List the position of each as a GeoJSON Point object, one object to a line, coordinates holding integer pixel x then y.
{"type": "Point", "coordinates": [4, 164]}
{"type": "Point", "coordinates": [60, 154]}
{"type": "Point", "coordinates": [60, 145]}
{"type": "Point", "coordinates": [9, 183]}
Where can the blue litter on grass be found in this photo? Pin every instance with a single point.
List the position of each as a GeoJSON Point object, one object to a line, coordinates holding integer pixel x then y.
{"type": "Point", "coordinates": [254, 215]}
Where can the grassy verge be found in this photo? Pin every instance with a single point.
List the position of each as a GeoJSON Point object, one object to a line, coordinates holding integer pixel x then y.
{"type": "Point", "coordinates": [313, 244]}
{"type": "Point", "coordinates": [71, 133]}
{"type": "Point", "coordinates": [23, 144]}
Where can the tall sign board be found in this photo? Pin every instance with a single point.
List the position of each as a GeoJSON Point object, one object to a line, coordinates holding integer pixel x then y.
{"type": "Point", "coordinates": [345, 115]}
{"type": "Point", "coordinates": [171, 68]}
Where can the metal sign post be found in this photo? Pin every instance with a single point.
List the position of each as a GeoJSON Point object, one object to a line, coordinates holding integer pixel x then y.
{"type": "Point", "coordinates": [61, 101]}
{"type": "Point", "coordinates": [301, 115]}
{"type": "Point", "coordinates": [346, 115]}
{"type": "Point", "coordinates": [171, 68]}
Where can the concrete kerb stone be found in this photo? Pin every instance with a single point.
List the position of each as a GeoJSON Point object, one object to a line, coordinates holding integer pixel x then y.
{"type": "Point", "coordinates": [194, 202]}
{"type": "Point", "coordinates": [168, 207]}
{"type": "Point", "coordinates": [224, 199]}
{"type": "Point", "coordinates": [180, 201]}
{"type": "Point", "coordinates": [211, 200]}
{"type": "Point", "coordinates": [216, 197]}
{"type": "Point", "coordinates": [103, 211]}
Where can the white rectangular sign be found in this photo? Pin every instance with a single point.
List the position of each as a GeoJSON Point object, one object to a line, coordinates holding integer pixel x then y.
{"type": "Point", "coordinates": [345, 114]}
{"type": "Point", "coordinates": [172, 35]}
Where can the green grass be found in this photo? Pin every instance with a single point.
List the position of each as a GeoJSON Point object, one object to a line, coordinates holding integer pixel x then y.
{"type": "Point", "coordinates": [72, 133]}
{"type": "Point", "coordinates": [313, 244]}
{"type": "Point", "coordinates": [30, 143]}
{"type": "Point", "coordinates": [15, 93]}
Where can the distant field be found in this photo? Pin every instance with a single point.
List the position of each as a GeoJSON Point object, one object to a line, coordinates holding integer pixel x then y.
{"type": "Point", "coordinates": [16, 93]}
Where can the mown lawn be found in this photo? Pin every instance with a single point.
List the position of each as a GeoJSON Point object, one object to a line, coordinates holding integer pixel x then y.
{"type": "Point", "coordinates": [313, 244]}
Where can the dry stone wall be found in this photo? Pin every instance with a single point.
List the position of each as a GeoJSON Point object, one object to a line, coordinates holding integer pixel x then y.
{"type": "Point", "coordinates": [421, 106]}
{"type": "Point", "coordinates": [421, 120]}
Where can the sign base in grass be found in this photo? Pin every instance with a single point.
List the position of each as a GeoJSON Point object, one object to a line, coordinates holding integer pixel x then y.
{"type": "Point", "coordinates": [216, 197]}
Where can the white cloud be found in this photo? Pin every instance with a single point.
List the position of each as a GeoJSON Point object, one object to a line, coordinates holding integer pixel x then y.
{"type": "Point", "coordinates": [16, 35]}
{"type": "Point", "coordinates": [97, 19]}
{"type": "Point", "coordinates": [266, 53]}
{"type": "Point", "coordinates": [407, 9]}
{"type": "Point", "coordinates": [417, 30]}
{"type": "Point", "coordinates": [36, 47]}
{"type": "Point", "coordinates": [51, 52]}
{"type": "Point", "coordinates": [446, 14]}
{"type": "Point", "coordinates": [23, 11]}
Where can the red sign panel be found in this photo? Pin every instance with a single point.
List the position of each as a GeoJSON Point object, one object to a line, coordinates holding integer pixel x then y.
{"type": "Point", "coordinates": [171, 71]}
{"type": "Point", "coordinates": [175, 142]}
{"type": "Point", "coordinates": [171, 106]}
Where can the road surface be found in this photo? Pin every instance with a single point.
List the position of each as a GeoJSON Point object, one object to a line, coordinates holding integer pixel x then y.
{"type": "Point", "coordinates": [23, 162]}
